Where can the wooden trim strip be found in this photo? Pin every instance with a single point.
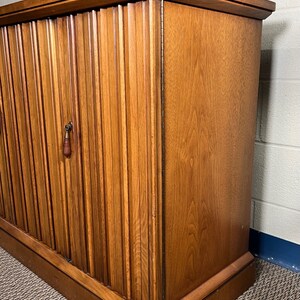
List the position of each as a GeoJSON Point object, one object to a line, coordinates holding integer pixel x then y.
{"type": "Point", "coordinates": [124, 153]}
{"type": "Point", "coordinates": [268, 5]}
{"type": "Point", "coordinates": [53, 258]}
{"type": "Point", "coordinates": [45, 270]}
{"type": "Point", "coordinates": [28, 10]}
{"type": "Point", "coordinates": [236, 286]}
{"type": "Point", "coordinates": [51, 9]}
{"type": "Point", "coordinates": [220, 278]}
{"type": "Point", "coordinates": [228, 6]}
{"type": "Point", "coordinates": [155, 217]}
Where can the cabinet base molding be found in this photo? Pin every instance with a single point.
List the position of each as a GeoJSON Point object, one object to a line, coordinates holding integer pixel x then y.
{"type": "Point", "coordinates": [226, 285]}
{"type": "Point", "coordinates": [236, 286]}
{"type": "Point", "coordinates": [229, 283]}
{"type": "Point", "coordinates": [51, 267]}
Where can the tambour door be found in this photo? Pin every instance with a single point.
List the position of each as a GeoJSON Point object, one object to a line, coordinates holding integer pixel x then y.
{"type": "Point", "coordinates": [6, 204]}
{"type": "Point", "coordinates": [96, 207]}
{"type": "Point", "coordinates": [50, 76]}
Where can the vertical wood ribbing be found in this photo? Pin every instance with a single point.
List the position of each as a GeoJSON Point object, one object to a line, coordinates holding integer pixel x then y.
{"type": "Point", "coordinates": [56, 71]}
{"type": "Point", "coordinates": [26, 142]}
{"type": "Point", "coordinates": [137, 54]}
{"type": "Point", "coordinates": [108, 32]}
{"type": "Point", "coordinates": [100, 207]}
{"type": "Point", "coordinates": [86, 121]}
{"type": "Point", "coordinates": [12, 132]}
{"type": "Point", "coordinates": [142, 56]}
{"type": "Point", "coordinates": [77, 225]}
{"type": "Point", "coordinates": [124, 159]}
{"type": "Point", "coordinates": [53, 130]}
{"type": "Point", "coordinates": [155, 144]}
{"type": "Point", "coordinates": [17, 104]}
{"type": "Point", "coordinates": [36, 123]}
{"type": "Point", "coordinates": [7, 193]}
{"type": "Point", "coordinates": [2, 211]}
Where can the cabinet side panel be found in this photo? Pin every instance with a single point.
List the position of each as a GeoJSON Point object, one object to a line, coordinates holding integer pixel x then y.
{"type": "Point", "coordinates": [211, 82]}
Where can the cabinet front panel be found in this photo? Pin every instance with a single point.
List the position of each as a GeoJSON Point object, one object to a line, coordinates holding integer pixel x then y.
{"type": "Point", "coordinates": [211, 83]}
{"type": "Point", "coordinates": [6, 199]}
{"type": "Point", "coordinates": [96, 208]}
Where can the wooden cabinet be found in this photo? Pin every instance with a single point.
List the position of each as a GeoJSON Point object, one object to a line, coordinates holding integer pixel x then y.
{"type": "Point", "coordinates": [154, 200]}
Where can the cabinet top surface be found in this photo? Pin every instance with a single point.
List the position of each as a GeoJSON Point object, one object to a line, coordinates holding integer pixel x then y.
{"type": "Point", "coordinates": [28, 10]}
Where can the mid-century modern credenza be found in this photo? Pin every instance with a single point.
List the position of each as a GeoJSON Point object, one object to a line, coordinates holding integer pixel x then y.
{"type": "Point", "coordinates": [126, 144]}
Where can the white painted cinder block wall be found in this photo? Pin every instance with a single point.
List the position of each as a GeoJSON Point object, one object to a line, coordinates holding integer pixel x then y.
{"type": "Point", "coordinates": [5, 2]}
{"type": "Point", "coordinates": [276, 180]}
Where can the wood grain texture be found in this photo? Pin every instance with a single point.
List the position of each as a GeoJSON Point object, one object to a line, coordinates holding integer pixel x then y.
{"type": "Point", "coordinates": [31, 10]}
{"type": "Point", "coordinates": [119, 216]}
{"type": "Point", "coordinates": [11, 135]}
{"type": "Point", "coordinates": [95, 209]}
{"type": "Point", "coordinates": [268, 5]}
{"type": "Point", "coordinates": [53, 125]}
{"type": "Point", "coordinates": [156, 123]}
{"type": "Point", "coordinates": [218, 280]}
{"type": "Point", "coordinates": [19, 100]}
{"type": "Point", "coordinates": [73, 166]}
{"type": "Point", "coordinates": [236, 286]}
{"type": "Point", "coordinates": [211, 84]}
{"type": "Point", "coordinates": [6, 200]}
{"type": "Point", "coordinates": [231, 7]}
{"type": "Point", "coordinates": [142, 113]}
{"type": "Point", "coordinates": [49, 255]}
{"type": "Point", "coordinates": [45, 270]}
{"type": "Point", "coordinates": [37, 129]}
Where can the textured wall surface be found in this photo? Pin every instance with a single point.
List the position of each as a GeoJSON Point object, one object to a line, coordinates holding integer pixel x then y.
{"type": "Point", "coordinates": [276, 180]}
{"type": "Point", "coordinates": [5, 2]}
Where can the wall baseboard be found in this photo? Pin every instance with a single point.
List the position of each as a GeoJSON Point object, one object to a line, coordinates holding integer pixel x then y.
{"type": "Point", "coordinates": [275, 250]}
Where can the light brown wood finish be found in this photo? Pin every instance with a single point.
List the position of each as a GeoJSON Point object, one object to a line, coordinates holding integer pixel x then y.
{"type": "Point", "coordinates": [28, 10]}
{"type": "Point", "coordinates": [268, 5]}
{"type": "Point", "coordinates": [220, 278]}
{"type": "Point", "coordinates": [45, 270]}
{"type": "Point", "coordinates": [49, 255]}
{"type": "Point", "coordinates": [232, 7]}
{"type": "Point", "coordinates": [236, 286]}
{"type": "Point", "coordinates": [11, 137]}
{"type": "Point", "coordinates": [6, 203]}
{"type": "Point", "coordinates": [211, 84]}
{"type": "Point", "coordinates": [95, 209]}
{"type": "Point", "coordinates": [98, 215]}
{"type": "Point", "coordinates": [19, 100]}
{"type": "Point", "coordinates": [37, 128]}
{"type": "Point", "coordinates": [156, 197]}
{"type": "Point", "coordinates": [142, 89]}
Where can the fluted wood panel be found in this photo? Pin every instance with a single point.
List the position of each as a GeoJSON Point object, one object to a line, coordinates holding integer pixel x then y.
{"type": "Point", "coordinates": [6, 203]}
{"type": "Point", "coordinates": [98, 208]}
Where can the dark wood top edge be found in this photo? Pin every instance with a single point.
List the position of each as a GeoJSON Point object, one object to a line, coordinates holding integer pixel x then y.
{"type": "Point", "coordinates": [235, 7]}
{"type": "Point", "coordinates": [29, 10]}
{"type": "Point", "coordinates": [262, 4]}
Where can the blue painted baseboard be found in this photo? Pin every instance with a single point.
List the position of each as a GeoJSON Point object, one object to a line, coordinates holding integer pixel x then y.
{"type": "Point", "coordinates": [275, 250]}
